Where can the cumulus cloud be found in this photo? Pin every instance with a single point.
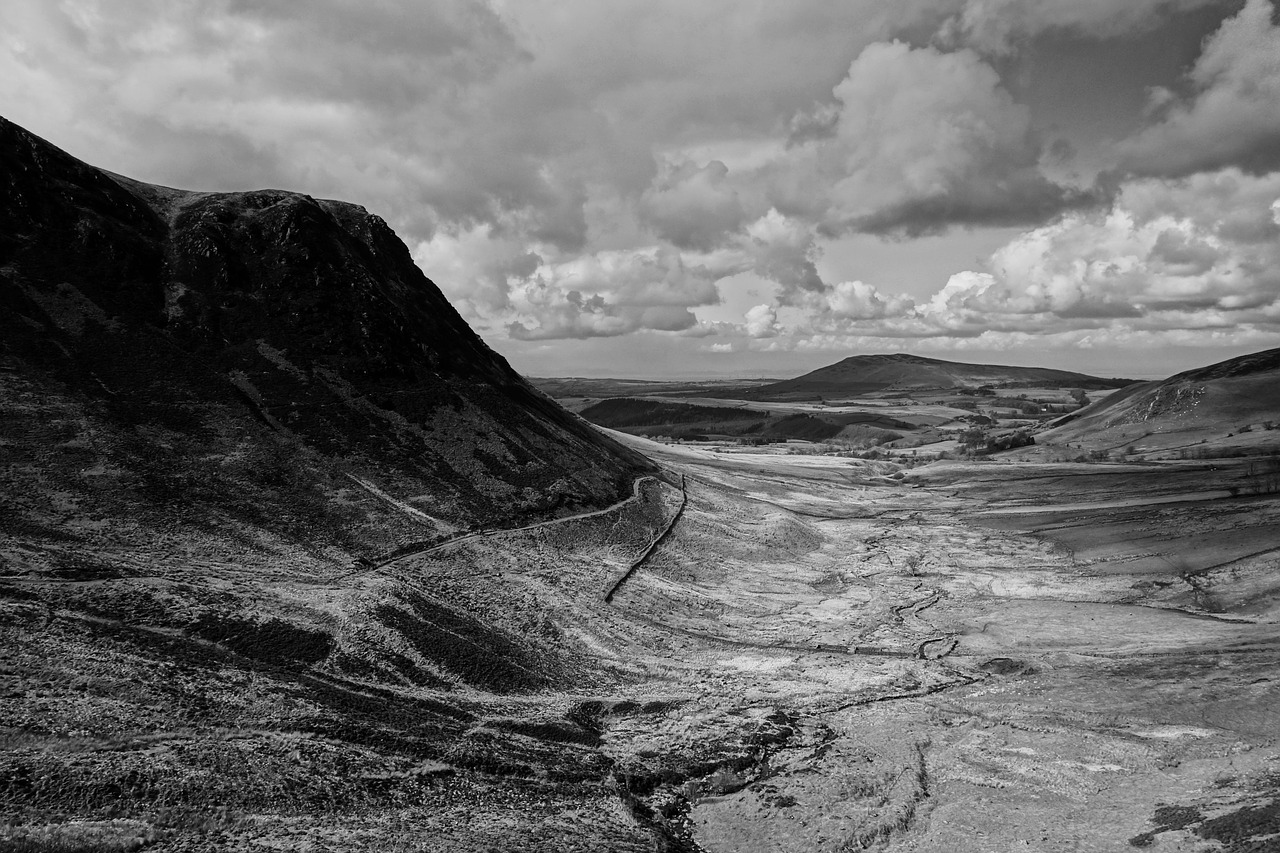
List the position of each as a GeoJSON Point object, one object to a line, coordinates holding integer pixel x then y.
{"type": "Point", "coordinates": [856, 300]}
{"type": "Point", "coordinates": [1232, 114]}
{"type": "Point", "coordinates": [923, 139]}
{"type": "Point", "coordinates": [577, 316]}
{"type": "Point", "coordinates": [762, 322]}
{"type": "Point", "coordinates": [556, 295]}
{"type": "Point", "coordinates": [784, 250]}
{"type": "Point", "coordinates": [611, 293]}
{"type": "Point", "coordinates": [1191, 259]}
{"type": "Point", "coordinates": [495, 137]}
{"type": "Point", "coordinates": [477, 269]}
{"type": "Point", "coordinates": [1201, 252]}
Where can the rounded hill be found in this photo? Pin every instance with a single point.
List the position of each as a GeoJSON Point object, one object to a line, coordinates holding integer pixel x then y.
{"type": "Point", "coordinates": [871, 374]}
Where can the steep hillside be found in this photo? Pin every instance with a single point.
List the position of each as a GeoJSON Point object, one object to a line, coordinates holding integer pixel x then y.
{"type": "Point", "coordinates": [869, 374]}
{"type": "Point", "coordinates": [1233, 404]}
{"type": "Point", "coordinates": [262, 353]}
{"type": "Point", "coordinates": [242, 442]}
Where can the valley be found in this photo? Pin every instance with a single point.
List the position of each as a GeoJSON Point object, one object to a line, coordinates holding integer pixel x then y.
{"type": "Point", "coordinates": [290, 560]}
{"type": "Point", "coordinates": [816, 656]}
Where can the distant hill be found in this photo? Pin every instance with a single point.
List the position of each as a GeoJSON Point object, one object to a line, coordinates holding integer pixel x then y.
{"type": "Point", "coordinates": [1235, 402]}
{"type": "Point", "coordinates": [869, 374]}
{"type": "Point", "coordinates": [681, 420]}
{"type": "Point", "coordinates": [571, 390]}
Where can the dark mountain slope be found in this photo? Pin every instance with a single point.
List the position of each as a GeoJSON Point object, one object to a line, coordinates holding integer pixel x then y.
{"type": "Point", "coordinates": [221, 415]}
{"type": "Point", "coordinates": [867, 374]}
{"type": "Point", "coordinates": [261, 353]}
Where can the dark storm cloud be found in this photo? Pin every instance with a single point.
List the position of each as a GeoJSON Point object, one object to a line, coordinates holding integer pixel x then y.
{"type": "Point", "coordinates": [1020, 199]}
{"type": "Point", "coordinates": [1003, 26]}
{"type": "Point", "coordinates": [919, 140]}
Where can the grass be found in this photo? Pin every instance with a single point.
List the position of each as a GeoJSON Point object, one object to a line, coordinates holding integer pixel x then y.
{"type": "Point", "coordinates": [78, 837]}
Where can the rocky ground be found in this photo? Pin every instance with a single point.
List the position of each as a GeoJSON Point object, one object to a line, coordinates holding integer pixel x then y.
{"type": "Point", "coordinates": [819, 654]}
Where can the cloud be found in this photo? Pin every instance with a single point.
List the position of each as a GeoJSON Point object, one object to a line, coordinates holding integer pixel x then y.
{"type": "Point", "coordinates": [1001, 26]}
{"type": "Point", "coordinates": [965, 304]}
{"type": "Point", "coordinates": [681, 74]}
{"type": "Point", "coordinates": [1231, 117]}
{"type": "Point", "coordinates": [534, 130]}
{"type": "Point", "coordinates": [611, 293]}
{"type": "Point", "coordinates": [1190, 258]}
{"type": "Point", "coordinates": [578, 316]}
{"type": "Point", "coordinates": [428, 114]}
{"type": "Point", "coordinates": [692, 207]}
{"type": "Point", "coordinates": [762, 322]}
{"type": "Point", "coordinates": [1166, 256]}
{"type": "Point", "coordinates": [1142, 348]}
{"type": "Point", "coordinates": [856, 300]}
{"type": "Point", "coordinates": [923, 140]}
{"type": "Point", "coordinates": [784, 250]}
{"type": "Point", "coordinates": [550, 295]}
{"type": "Point", "coordinates": [476, 269]}
{"type": "Point", "coordinates": [573, 171]}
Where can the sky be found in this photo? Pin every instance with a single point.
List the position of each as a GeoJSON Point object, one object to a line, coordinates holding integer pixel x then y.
{"type": "Point", "coordinates": [720, 188]}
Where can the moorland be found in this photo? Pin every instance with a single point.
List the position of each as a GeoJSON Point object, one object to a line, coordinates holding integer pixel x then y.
{"type": "Point", "coordinates": [308, 567]}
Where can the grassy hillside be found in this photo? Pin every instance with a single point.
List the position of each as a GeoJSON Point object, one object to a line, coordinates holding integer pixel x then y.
{"type": "Point", "coordinates": [1228, 408]}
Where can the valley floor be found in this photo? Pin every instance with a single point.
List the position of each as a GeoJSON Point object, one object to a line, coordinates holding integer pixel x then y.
{"type": "Point", "coordinates": [762, 653]}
